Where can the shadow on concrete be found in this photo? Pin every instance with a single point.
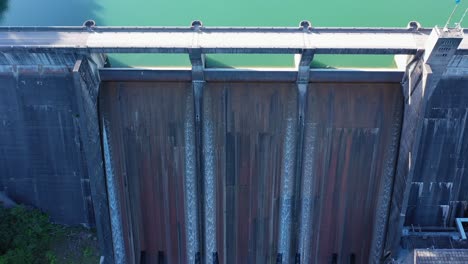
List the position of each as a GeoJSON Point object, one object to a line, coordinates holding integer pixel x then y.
{"type": "Point", "coordinates": [113, 62]}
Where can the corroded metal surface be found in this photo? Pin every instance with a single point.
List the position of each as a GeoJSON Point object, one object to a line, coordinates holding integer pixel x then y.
{"type": "Point", "coordinates": [147, 123]}
{"type": "Point", "coordinates": [328, 210]}
{"type": "Point", "coordinates": [354, 131]}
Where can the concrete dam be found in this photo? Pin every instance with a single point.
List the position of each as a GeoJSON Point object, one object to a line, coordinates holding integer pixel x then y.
{"type": "Point", "coordinates": [222, 165]}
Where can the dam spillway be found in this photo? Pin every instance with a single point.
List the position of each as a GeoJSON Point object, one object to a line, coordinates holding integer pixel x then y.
{"type": "Point", "coordinates": [238, 165]}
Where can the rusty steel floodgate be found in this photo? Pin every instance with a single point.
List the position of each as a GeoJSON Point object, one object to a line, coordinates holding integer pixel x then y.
{"type": "Point", "coordinates": [222, 183]}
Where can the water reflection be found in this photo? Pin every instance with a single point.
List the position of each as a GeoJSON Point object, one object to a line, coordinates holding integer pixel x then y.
{"type": "Point", "coordinates": [3, 8]}
{"type": "Point", "coordinates": [51, 12]}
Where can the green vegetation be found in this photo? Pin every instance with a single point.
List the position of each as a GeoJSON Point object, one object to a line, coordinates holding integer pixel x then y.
{"type": "Point", "coordinates": [28, 236]}
{"type": "Point", "coordinates": [25, 236]}
{"type": "Point", "coordinates": [75, 245]}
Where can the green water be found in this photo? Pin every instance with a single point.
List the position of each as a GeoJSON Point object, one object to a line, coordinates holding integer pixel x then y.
{"type": "Point", "coordinates": [338, 13]}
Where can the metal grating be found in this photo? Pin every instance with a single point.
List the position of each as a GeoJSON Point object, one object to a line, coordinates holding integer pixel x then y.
{"type": "Point", "coordinates": [440, 256]}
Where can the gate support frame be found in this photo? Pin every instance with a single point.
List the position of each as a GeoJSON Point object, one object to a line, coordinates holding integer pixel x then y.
{"type": "Point", "coordinates": [86, 80]}
{"type": "Point", "coordinates": [197, 59]}
{"type": "Point", "coordinates": [304, 200]}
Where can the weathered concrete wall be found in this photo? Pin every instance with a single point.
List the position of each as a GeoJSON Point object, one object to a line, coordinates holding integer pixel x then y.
{"type": "Point", "coordinates": [439, 189]}
{"type": "Point", "coordinates": [40, 147]}
{"type": "Point", "coordinates": [412, 92]}
{"type": "Point", "coordinates": [50, 145]}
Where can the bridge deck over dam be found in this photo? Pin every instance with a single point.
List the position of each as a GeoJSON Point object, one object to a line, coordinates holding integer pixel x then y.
{"type": "Point", "coordinates": [218, 40]}
{"type": "Point", "coordinates": [210, 165]}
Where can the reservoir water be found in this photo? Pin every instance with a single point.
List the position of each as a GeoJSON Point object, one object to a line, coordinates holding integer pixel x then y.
{"type": "Point", "coordinates": [279, 13]}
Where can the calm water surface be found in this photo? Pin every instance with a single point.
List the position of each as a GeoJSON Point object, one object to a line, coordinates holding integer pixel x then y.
{"type": "Point", "coordinates": [344, 13]}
